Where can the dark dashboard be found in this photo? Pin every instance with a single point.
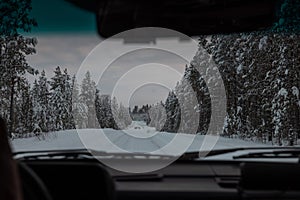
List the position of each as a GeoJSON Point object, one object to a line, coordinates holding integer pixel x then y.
{"type": "Point", "coordinates": [89, 179]}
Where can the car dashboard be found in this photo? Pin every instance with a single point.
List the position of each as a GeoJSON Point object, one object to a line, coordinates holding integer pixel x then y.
{"type": "Point", "coordinates": [89, 179]}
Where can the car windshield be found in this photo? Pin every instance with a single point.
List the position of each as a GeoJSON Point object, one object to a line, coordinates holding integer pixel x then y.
{"type": "Point", "coordinates": [65, 87]}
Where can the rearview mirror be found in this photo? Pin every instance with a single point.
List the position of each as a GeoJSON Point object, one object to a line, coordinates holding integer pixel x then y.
{"type": "Point", "coordinates": [191, 17]}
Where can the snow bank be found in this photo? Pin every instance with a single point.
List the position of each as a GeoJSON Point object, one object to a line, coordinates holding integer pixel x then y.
{"type": "Point", "coordinates": [145, 139]}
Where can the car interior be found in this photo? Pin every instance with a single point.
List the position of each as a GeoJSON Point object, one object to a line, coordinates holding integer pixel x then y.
{"type": "Point", "coordinates": [78, 175]}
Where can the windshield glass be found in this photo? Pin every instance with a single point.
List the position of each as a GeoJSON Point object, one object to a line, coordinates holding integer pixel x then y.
{"type": "Point", "coordinates": [55, 93]}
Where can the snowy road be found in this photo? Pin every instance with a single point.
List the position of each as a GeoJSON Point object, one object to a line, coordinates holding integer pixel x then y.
{"type": "Point", "coordinates": [136, 138]}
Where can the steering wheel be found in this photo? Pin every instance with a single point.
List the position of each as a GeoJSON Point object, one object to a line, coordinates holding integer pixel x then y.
{"type": "Point", "coordinates": [32, 186]}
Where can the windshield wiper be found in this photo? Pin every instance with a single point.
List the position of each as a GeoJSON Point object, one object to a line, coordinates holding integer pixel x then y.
{"type": "Point", "coordinates": [84, 154]}
{"type": "Point", "coordinates": [199, 154]}
{"type": "Point", "coordinates": [285, 153]}
{"type": "Point", "coordinates": [279, 152]}
{"type": "Point", "coordinates": [42, 154]}
{"type": "Point", "coordinates": [48, 151]}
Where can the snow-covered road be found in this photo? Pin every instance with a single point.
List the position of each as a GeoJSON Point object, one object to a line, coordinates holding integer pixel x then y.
{"type": "Point", "coordinates": [138, 137]}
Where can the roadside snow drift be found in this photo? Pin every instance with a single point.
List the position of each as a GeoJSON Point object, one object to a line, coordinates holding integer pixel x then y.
{"type": "Point", "coordinates": [136, 138]}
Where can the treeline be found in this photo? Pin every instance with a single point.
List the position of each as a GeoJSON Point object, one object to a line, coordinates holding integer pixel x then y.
{"type": "Point", "coordinates": [261, 74]}
{"type": "Point", "coordinates": [60, 104]}
{"type": "Point", "coordinates": [46, 105]}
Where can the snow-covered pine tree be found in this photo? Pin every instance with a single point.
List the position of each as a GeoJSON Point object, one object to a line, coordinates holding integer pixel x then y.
{"type": "Point", "coordinates": [87, 97]}
{"type": "Point", "coordinates": [14, 49]}
{"type": "Point", "coordinates": [286, 86]}
{"type": "Point", "coordinates": [98, 109]}
{"type": "Point", "coordinates": [223, 49]}
{"type": "Point", "coordinates": [104, 112]}
{"type": "Point", "coordinates": [79, 108]}
{"type": "Point", "coordinates": [172, 108]}
{"type": "Point", "coordinates": [58, 103]}
{"type": "Point", "coordinates": [116, 114]}
{"type": "Point", "coordinates": [43, 101]}
{"type": "Point", "coordinates": [24, 108]}
{"type": "Point", "coordinates": [37, 117]}
{"type": "Point", "coordinates": [67, 91]}
{"type": "Point", "coordinates": [13, 68]}
{"type": "Point", "coordinates": [193, 80]}
{"type": "Point", "coordinates": [124, 116]}
{"type": "Point", "coordinates": [157, 115]}
{"type": "Point", "coordinates": [121, 116]}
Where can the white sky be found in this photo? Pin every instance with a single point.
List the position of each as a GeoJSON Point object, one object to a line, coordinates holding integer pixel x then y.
{"type": "Point", "coordinates": [64, 50]}
{"type": "Point", "coordinates": [69, 51]}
